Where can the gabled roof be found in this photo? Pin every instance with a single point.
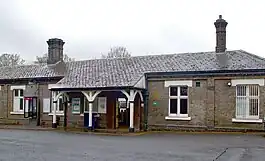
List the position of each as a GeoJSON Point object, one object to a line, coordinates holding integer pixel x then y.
{"type": "Point", "coordinates": [127, 71]}
{"type": "Point", "coordinates": [123, 72]}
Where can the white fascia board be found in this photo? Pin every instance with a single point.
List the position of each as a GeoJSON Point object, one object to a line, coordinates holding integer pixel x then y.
{"type": "Point", "coordinates": [55, 86]}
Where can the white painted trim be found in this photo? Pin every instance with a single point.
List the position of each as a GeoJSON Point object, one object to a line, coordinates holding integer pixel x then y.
{"type": "Point", "coordinates": [247, 120]}
{"type": "Point", "coordinates": [247, 81]}
{"type": "Point", "coordinates": [179, 83]}
{"type": "Point", "coordinates": [90, 95]}
{"type": "Point", "coordinates": [131, 95]}
{"type": "Point", "coordinates": [56, 86]}
{"type": "Point", "coordinates": [178, 118]}
{"type": "Point", "coordinates": [140, 83]}
{"type": "Point", "coordinates": [17, 113]}
{"type": "Point", "coordinates": [58, 114]}
{"type": "Point", "coordinates": [18, 87]}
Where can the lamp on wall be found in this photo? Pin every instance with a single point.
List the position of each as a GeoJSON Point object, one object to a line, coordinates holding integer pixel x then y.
{"type": "Point", "coordinates": [229, 84]}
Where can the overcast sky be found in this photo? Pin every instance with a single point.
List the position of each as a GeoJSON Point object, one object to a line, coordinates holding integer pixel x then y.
{"type": "Point", "coordinates": [90, 28]}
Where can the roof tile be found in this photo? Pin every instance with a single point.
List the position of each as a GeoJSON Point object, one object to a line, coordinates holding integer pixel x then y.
{"type": "Point", "coordinates": [119, 72]}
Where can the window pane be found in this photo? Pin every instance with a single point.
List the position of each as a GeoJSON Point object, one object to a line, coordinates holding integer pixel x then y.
{"type": "Point", "coordinates": [253, 107]}
{"type": "Point", "coordinates": [241, 106]}
{"type": "Point", "coordinates": [16, 92]}
{"type": "Point", "coordinates": [21, 102]}
{"type": "Point", "coordinates": [173, 91]}
{"type": "Point", "coordinates": [253, 90]}
{"type": "Point", "coordinates": [61, 104]}
{"type": "Point", "coordinates": [86, 105]}
{"type": "Point", "coordinates": [241, 90]}
{"type": "Point", "coordinates": [82, 105]}
{"type": "Point", "coordinates": [95, 108]}
{"type": "Point", "coordinates": [183, 106]}
{"type": "Point", "coordinates": [183, 91]}
{"type": "Point", "coordinates": [21, 93]}
{"type": "Point", "coordinates": [198, 84]}
{"type": "Point", "coordinates": [95, 105]}
{"type": "Point", "coordinates": [173, 106]}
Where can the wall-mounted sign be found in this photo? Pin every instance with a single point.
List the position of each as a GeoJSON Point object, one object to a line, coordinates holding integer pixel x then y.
{"type": "Point", "coordinates": [155, 103]}
{"type": "Point", "coordinates": [46, 105]}
{"type": "Point", "coordinates": [102, 104]}
{"type": "Point", "coordinates": [75, 105]}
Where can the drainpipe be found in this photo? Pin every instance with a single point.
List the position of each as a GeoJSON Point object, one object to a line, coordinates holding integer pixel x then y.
{"type": "Point", "coordinates": [146, 98]}
{"type": "Point", "coordinates": [7, 93]}
{"type": "Point", "coordinates": [38, 109]}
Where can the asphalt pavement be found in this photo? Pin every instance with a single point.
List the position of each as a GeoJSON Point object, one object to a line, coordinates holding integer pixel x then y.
{"type": "Point", "coordinates": [19, 145]}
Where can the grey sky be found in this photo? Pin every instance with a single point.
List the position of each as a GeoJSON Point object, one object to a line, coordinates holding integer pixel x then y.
{"type": "Point", "coordinates": [90, 28]}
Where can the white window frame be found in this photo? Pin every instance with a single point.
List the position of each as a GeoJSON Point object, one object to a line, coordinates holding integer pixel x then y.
{"type": "Point", "coordinates": [178, 97]}
{"type": "Point", "coordinates": [173, 83]}
{"type": "Point", "coordinates": [247, 97]}
{"type": "Point", "coordinates": [16, 99]}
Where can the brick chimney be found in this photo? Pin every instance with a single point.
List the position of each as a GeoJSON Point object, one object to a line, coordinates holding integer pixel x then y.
{"type": "Point", "coordinates": [220, 25]}
{"type": "Point", "coordinates": [55, 50]}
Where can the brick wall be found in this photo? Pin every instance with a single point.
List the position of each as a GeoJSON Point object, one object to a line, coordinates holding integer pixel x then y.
{"type": "Point", "coordinates": [213, 104]}
{"type": "Point", "coordinates": [157, 113]}
{"type": "Point", "coordinates": [225, 102]}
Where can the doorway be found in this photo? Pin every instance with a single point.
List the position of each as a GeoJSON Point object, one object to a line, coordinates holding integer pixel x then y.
{"type": "Point", "coordinates": [31, 109]}
{"type": "Point", "coordinates": [123, 113]}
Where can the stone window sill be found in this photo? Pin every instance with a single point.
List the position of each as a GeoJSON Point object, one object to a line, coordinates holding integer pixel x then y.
{"type": "Point", "coordinates": [178, 118]}
{"type": "Point", "coordinates": [17, 113]}
{"type": "Point", "coordinates": [57, 114]}
{"type": "Point", "coordinates": [247, 120]}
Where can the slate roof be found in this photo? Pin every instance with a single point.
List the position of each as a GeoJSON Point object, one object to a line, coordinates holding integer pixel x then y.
{"type": "Point", "coordinates": [121, 72]}
{"type": "Point", "coordinates": [29, 71]}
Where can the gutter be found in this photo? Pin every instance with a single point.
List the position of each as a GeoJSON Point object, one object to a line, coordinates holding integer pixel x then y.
{"type": "Point", "coordinates": [246, 72]}
{"type": "Point", "coordinates": [40, 79]}
{"type": "Point", "coordinates": [95, 88]}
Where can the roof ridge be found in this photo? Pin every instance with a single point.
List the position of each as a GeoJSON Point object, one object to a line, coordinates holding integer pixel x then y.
{"type": "Point", "coordinates": [141, 56]}
{"type": "Point", "coordinates": [22, 65]}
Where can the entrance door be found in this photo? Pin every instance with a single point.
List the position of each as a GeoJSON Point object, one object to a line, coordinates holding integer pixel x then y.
{"type": "Point", "coordinates": [30, 110]}
{"type": "Point", "coordinates": [123, 113]}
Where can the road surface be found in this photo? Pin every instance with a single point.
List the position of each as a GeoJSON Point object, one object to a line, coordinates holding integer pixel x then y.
{"type": "Point", "coordinates": [19, 145]}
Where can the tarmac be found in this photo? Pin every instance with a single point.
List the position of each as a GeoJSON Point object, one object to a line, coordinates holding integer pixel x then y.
{"type": "Point", "coordinates": [31, 145]}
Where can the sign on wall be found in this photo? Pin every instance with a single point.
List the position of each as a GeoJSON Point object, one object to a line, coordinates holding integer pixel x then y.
{"type": "Point", "coordinates": [75, 105]}
{"type": "Point", "coordinates": [46, 105]}
{"type": "Point", "coordinates": [102, 104]}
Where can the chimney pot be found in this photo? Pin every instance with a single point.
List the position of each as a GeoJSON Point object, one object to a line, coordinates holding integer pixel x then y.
{"type": "Point", "coordinates": [220, 25]}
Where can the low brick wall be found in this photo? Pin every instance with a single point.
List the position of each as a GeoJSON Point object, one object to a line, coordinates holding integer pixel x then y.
{"type": "Point", "coordinates": [201, 128]}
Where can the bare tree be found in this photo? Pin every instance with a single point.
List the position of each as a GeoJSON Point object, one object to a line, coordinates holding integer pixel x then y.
{"type": "Point", "coordinates": [11, 60]}
{"type": "Point", "coordinates": [117, 52]}
{"type": "Point", "coordinates": [43, 59]}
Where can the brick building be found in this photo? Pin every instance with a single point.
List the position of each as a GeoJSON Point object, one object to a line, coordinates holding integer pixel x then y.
{"type": "Point", "coordinates": [206, 90]}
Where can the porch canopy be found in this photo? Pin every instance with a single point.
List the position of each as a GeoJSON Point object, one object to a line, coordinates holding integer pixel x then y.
{"type": "Point", "coordinates": [90, 94]}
